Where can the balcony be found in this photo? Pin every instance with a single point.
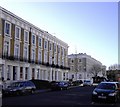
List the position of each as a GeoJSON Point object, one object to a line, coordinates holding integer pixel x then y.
{"type": "Point", "coordinates": [14, 58]}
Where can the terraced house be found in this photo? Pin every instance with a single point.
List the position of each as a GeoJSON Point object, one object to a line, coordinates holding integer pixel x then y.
{"type": "Point", "coordinates": [27, 52]}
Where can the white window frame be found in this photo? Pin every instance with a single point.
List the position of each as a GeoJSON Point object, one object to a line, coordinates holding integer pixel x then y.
{"type": "Point", "coordinates": [45, 56]}
{"type": "Point", "coordinates": [55, 59]}
{"type": "Point", "coordinates": [25, 31]}
{"type": "Point", "coordinates": [55, 48]}
{"type": "Point", "coordinates": [5, 45]}
{"type": "Point", "coordinates": [39, 55]}
{"type": "Point", "coordinates": [39, 42]}
{"type": "Point", "coordinates": [32, 40]}
{"type": "Point", "coordinates": [9, 35]}
{"type": "Point", "coordinates": [50, 58]}
{"type": "Point", "coordinates": [24, 53]}
{"type": "Point", "coordinates": [50, 46]}
{"type": "Point", "coordinates": [18, 51]}
{"type": "Point", "coordinates": [45, 44]}
{"type": "Point", "coordinates": [33, 55]}
{"type": "Point", "coordinates": [18, 32]}
{"type": "Point", "coordinates": [58, 49]}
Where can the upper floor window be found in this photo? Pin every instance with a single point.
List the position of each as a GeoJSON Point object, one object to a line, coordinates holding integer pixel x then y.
{"type": "Point", "coordinates": [45, 45]}
{"type": "Point", "coordinates": [62, 51]}
{"type": "Point", "coordinates": [7, 28]}
{"type": "Point", "coordinates": [72, 61]}
{"type": "Point", "coordinates": [54, 47]}
{"type": "Point", "coordinates": [33, 39]}
{"type": "Point", "coordinates": [17, 32]}
{"type": "Point", "coordinates": [6, 48]}
{"type": "Point", "coordinates": [26, 36]}
{"type": "Point", "coordinates": [45, 57]}
{"type": "Point", "coordinates": [58, 49]}
{"type": "Point", "coordinates": [79, 60]}
{"type": "Point", "coordinates": [50, 46]}
{"type": "Point", "coordinates": [40, 42]}
{"type": "Point", "coordinates": [25, 52]}
{"type": "Point", "coordinates": [16, 50]}
{"type": "Point", "coordinates": [39, 56]}
{"type": "Point", "coordinates": [33, 54]}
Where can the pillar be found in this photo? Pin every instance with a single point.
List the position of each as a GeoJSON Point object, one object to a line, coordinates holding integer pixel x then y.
{"type": "Point", "coordinates": [36, 71]}
{"type": "Point", "coordinates": [29, 73]}
{"type": "Point", "coordinates": [11, 72]}
{"type": "Point", "coordinates": [24, 70]}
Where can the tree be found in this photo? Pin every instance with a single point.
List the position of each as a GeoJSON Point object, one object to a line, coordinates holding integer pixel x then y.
{"type": "Point", "coordinates": [95, 69]}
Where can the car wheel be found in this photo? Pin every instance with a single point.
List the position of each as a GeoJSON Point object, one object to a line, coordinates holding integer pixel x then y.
{"type": "Point", "coordinates": [32, 91]}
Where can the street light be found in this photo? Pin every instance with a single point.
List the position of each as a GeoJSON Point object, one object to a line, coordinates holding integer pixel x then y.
{"type": "Point", "coordinates": [84, 72]}
{"type": "Point", "coordinates": [52, 66]}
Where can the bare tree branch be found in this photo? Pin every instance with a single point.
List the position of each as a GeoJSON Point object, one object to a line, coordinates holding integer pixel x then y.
{"type": "Point", "coordinates": [95, 69]}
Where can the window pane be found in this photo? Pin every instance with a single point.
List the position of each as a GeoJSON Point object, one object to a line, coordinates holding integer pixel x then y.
{"type": "Point", "coordinates": [39, 41]}
{"type": "Point", "coordinates": [45, 44]}
{"type": "Point", "coordinates": [17, 31]}
{"type": "Point", "coordinates": [6, 48]}
{"type": "Point", "coordinates": [16, 50]}
{"type": "Point", "coordinates": [26, 36]}
{"type": "Point", "coordinates": [7, 28]}
{"type": "Point", "coordinates": [33, 39]}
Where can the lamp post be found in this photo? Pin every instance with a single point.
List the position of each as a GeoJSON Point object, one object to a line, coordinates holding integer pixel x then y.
{"type": "Point", "coordinates": [52, 66]}
{"type": "Point", "coordinates": [84, 72]}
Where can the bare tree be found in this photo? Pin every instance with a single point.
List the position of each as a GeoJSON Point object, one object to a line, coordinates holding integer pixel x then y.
{"type": "Point", "coordinates": [103, 72]}
{"type": "Point", "coordinates": [95, 69]}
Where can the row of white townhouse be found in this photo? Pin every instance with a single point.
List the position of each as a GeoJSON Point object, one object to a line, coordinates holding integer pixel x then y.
{"type": "Point", "coordinates": [27, 52]}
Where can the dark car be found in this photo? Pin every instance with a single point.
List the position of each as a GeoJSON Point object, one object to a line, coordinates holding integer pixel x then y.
{"type": "Point", "coordinates": [106, 91]}
{"type": "Point", "coordinates": [59, 85]}
{"type": "Point", "coordinates": [20, 88]}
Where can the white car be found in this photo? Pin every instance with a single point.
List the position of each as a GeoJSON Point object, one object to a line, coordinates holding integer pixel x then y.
{"type": "Point", "coordinates": [87, 83]}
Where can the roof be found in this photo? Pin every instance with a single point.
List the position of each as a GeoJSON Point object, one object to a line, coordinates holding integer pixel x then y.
{"type": "Point", "coordinates": [110, 82]}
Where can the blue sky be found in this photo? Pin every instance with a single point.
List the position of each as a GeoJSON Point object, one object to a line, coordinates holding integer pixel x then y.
{"type": "Point", "coordinates": [88, 27]}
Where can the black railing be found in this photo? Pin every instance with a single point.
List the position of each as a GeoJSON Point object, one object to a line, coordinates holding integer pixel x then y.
{"type": "Point", "coordinates": [15, 58]}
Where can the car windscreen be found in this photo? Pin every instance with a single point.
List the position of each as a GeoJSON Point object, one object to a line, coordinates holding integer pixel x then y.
{"type": "Point", "coordinates": [17, 84]}
{"type": "Point", "coordinates": [109, 86]}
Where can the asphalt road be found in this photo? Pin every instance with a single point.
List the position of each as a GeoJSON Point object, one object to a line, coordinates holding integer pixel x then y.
{"type": "Point", "coordinates": [78, 96]}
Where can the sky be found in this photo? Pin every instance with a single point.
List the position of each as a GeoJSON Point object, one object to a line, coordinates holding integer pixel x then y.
{"type": "Point", "coordinates": [87, 27]}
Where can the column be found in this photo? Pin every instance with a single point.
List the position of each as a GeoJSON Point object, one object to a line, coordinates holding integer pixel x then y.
{"type": "Point", "coordinates": [36, 71]}
{"type": "Point", "coordinates": [53, 75]}
{"type": "Point", "coordinates": [39, 74]}
{"type": "Point", "coordinates": [50, 76]}
{"type": "Point", "coordinates": [11, 72]}
{"type": "Point", "coordinates": [56, 75]}
{"type": "Point", "coordinates": [24, 73]}
{"type": "Point", "coordinates": [29, 73]}
{"type": "Point", "coordinates": [18, 72]}
{"type": "Point", "coordinates": [4, 73]}
{"type": "Point", "coordinates": [42, 75]}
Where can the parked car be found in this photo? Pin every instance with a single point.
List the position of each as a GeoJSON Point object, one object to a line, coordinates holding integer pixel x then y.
{"type": "Point", "coordinates": [106, 91]}
{"type": "Point", "coordinates": [87, 83]}
{"type": "Point", "coordinates": [60, 85]}
{"type": "Point", "coordinates": [19, 88]}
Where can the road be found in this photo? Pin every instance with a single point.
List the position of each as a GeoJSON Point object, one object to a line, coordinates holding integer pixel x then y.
{"type": "Point", "coordinates": [72, 97]}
